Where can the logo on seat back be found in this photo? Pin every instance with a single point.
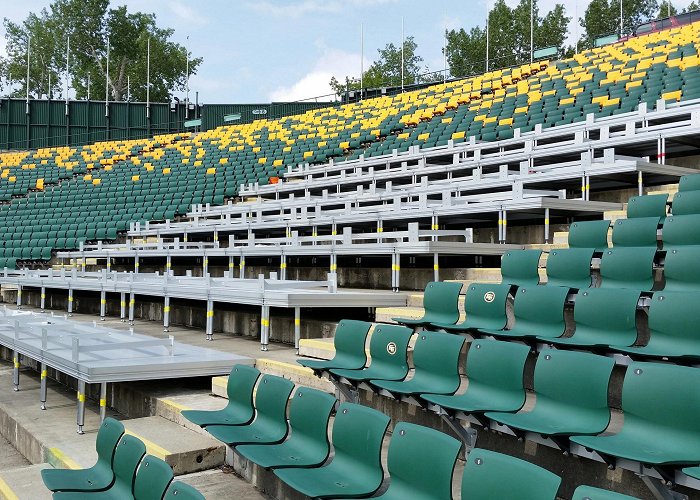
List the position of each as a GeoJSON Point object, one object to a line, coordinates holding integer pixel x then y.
{"type": "Point", "coordinates": [489, 297]}
{"type": "Point", "coordinates": [391, 348]}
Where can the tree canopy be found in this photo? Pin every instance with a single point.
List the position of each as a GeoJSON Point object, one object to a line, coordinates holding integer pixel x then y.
{"type": "Point", "coordinates": [91, 25]}
{"type": "Point", "coordinates": [602, 17]}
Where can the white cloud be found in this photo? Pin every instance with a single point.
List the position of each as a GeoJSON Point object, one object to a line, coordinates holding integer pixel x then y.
{"type": "Point", "coordinates": [332, 62]}
{"type": "Point", "coordinates": [305, 7]}
{"type": "Point", "coordinates": [186, 14]}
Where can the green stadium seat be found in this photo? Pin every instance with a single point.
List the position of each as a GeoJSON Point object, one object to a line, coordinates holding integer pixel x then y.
{"type": "Point", "coordinates": [680, 230]}
{"type": "Point", "coordinates": [484, 306]}
{"type": "Point", "coordinates": [689, 182]}
{"type": "Point", "coordinates": [520, 267]}
{"type": "Point", "coordinates": [239, 410]}
{"type": "Point", "coordinates": [421, 463]}
{"type": "Point", "coordinates": [490, 475]}
{"type": "Point", "coordinates": [650, 205]}
{"type": "Point", "coordinates": [591, 493]}
{"type": "Point", "coordinates": [349, 342]}
{"type": "Point", "coordinates": [307, 446]}
{"type": "Point", "coordinates": [152, 478]}
{"type": "Point", "coordinates": [127, 457]}
{"type": "Point", "coordinates": [388, 348]}
{"type": "Point", "coordinates": [687, 203]}
{"type": "Point", "coordinates": [692, 472]}
{"type": "Point", "coordinates": [182, 491]}
{"type": "Point", "coordinates": [436, 363]}
{"type": "Point", "coordinates": [571, 395]}
{"type": "Point", "coordinates": [570, 267]}
{"type": "Point", "coordinates": [441, 304]}
{"type": "Point", "coordinates": [270, 423]}
{"type": "Point", "coordinates": [538, 311]}
{"type": "Point", "coordinates": [495, 371]}
{"type": "Point", "coordinates": [603, 316]}
{"type": "Point", "coordinates": [628, 268]}
{"type": "Point", "coordinates": [682, 269]}
{"type": "Point", "coordinates": [636, 232]}
{"type": "Point", "coordinates": [99, 476]}
{"type": "Point", "coordinates": [355, 470]}
{"type": "Point", "coordinates": [661, 404]}
{"type": "Point", "coordinates": [673, 320]}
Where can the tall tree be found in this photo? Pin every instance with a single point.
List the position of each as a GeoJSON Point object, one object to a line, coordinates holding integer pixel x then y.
{"type": "Point", "coordinates": [602, 17]}
{"type": "Point", "coordinates": [386, 70]}
{"type": "Point", "coordinates": [666, 9]}
{"type": "Point", "coordinates": [91, 26]}
{"type": "Point", "coordinates": [508, 37]}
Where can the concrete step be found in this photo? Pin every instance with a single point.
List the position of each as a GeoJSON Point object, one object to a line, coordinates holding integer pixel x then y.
{"type": "Point", "coordinates": [386, 314]}
{"type": "Point", "coordinates": [24, 483]}
{"type": "Point", "coordinates": [317, 348]}
{"type": "Point", "coordinates": [222, 483]}
{"type": "Point", "coordinates": [613, 215]}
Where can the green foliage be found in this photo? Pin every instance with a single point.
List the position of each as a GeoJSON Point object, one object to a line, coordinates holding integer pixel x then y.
{"type": "Point", "coordinates": [602, 17]}
{"type": "Point", "coordinates": [508, 37]}
{"type": "Point", "coordinates": [90, 24]}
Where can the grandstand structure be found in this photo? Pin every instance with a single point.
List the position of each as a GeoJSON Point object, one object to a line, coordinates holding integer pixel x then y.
{"type": "Point", "coordinates": [548, 215]}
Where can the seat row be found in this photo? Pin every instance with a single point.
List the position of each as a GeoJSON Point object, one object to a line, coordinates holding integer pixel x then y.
{"type": "Point", "coordinates": [123, 471]}
{"type": "Point", "coordinates": [421, 461]}
{"type": "Point", "coordinates": [660, 402]}
{"type": "Point", "coordinates": [603, 319]}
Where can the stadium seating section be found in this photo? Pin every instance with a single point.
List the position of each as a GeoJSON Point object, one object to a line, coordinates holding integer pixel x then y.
{"type": "Point", "coordinates": [161, 177]}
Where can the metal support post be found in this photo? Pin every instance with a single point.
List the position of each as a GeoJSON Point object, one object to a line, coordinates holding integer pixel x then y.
{"type": "Point", "coordinates": [297, 327]}
{"type": "Point", "coordinates": [168, 264]}
{"type": "Point", "coordinates": [500, 226]}
{"type": "Point", "coordinates": [466, 434]}
{"type": "Point", "coordinates": [380, 230]}
{"type": "Point", "coordinates": [231, 266]}
{"type": "Point", "coordinates": [264, 328]}
{"type": "Point", "coordinates": [397, 270]}
{"type": "Point", "coordinates": [19, 296]}
{"type": "Point", "coordinates": [81, 406]}
{"type": "Point", "coordinates": [436, 267]}
{"type": "Point", "coordinates": [546, 225]}
{"type": "Point", "coordinates": [136, 264]}
{"type": "Point", "coordinates": [659, 489]}
{"type": "Point", "coordinates": [43, 298]}
{"type": "Point", "coordinates": [82, 264]}
{"type": "Point", "coordinates": [241, 266]}
{"type": "Point", "coordinates": [15, 370]}
{"type": "Point", "coordinates": [42, 388]}
{"type": "Point", "coordinates": [103, 305]}
{"type": "Point", "coordinates": [109, 264]}
{"type": "Point", "coordinates": [434, 225]}
{"type": "Point", "coordinates": [505, 226]}
{"type": "Point", "coordinates": [334, 263]}
{"type": "Point", "coordinates": [166, 313]}
{"type": "Point", "coordinates": [583, 187]}
{"type": "Point", "coordinates": [103, 401]}
{"type": "Point", "coordinates": [132, 302]}
{"type": "Point", "coordinates": [640, 183]}
{"type": "Point", "coordinates": [210, 320]}
{"type": "Point", "coordinates": [283, 267]}
{"type": "Point", "coordinates": [122, 303]}
{"type": "Point", "coordinates": [70, 302]}
{"type": "Point", "coordinates": [205, 266]}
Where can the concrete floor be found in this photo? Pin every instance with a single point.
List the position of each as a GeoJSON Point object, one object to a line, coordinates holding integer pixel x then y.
{"type": "Point", "coordinates": [10, 458]}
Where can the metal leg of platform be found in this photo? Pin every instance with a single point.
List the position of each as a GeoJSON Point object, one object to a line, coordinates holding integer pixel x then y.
{"type": "Point", "coordinates": [109, 264]}
{"type": "Point", "coordinates": [505, 226]}
{"type": "Point", "coordinates": [436, 267]}
{"type": "Point", "coordinates": [205, 266]}
{"type": "Point", "coordinates": [398, 272]}
{"type": "Point", "coordinates": [15, 371]}
{"type": "Point", "coordinates": [264, 328]}
{"type": "Point", "coordinates": [168, 264]}
{"type": "Point", "coordinates": [166, 313]}
{"type": "Point", "coordinates": [132, 302]}
{"type": "Point", "coordinates": [394, 286]}
{"type": "Point", "coordinates": [334, 263]}
{"type": "Point", "coordinates": [640, 183]}
{"type": "Point", "coordinates": [466, 434]}
{"type": "Point", "coordinates": [103, 305]}
{"type": "Point", "coordinates": [283, 267]}
{"type": "Point", "coordinates": [122, 303]}
{"type": "Point", "coordinates": [43, 298]}
{"type": "Point", "coordinates": [70, 302]}
{"type": "Point", "coordinates": [19, 296]}
{"type": "Point", "coordinates": [82, 264]}
{"type": "Point", "coordinates": [42, 387]}
{"type": "Point", "coordinates": [500, 226]}
{"type": "Point", "coordinates": [136, 264]}
{"type": "Point", "coordinates": [231, 266]}
{"type": "Point", "coordinates": [297, 327]}
{"type": "Point", "coordinates": [241, 266]}
{"type": "Point", "coordinates": [81, 407]}
{"type": "Point", "coordinates": [546, 225]}
{"type": "Point", "coordinates": [210, 320]}
{"type": "Point", "coordinates": [103, 401]}
{"type": "Point", "coordinates": [660, 491]}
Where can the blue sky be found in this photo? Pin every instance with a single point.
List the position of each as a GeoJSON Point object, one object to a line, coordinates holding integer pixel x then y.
{"type": "Point", "coordinates": [258, 51]}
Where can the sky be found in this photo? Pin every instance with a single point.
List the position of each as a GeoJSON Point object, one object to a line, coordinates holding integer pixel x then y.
{"type": "Point", "coordinates": [257, 51]}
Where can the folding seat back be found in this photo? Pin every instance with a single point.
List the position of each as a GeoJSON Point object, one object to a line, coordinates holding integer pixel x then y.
{"type": "Point", "coordinates": [539, 310]}
{"type": "Point", "coordinates": [127, 457]}
{"type": "Point", "coordinates": [636, 232]}
{"type": "Point", "coordinates": [485, 305]}
{"type": "Point", "coordinates": [687, 203]}
{"type": "Point", "coordinates": [309, 412]}
{"type": "Point", "coordinates": [271, 397]}
{"type": "Point", "coordinates": [182, 491]}
{"type": "Point", "coordinates": [650, 205]}
{"type": "Point", "coordinates": [520, 267]}
{"type": "Point", "coordinates": [681, 230]}
{"type": "Point", "coordinates": [673, 321]}
{"type": "Point", "coordinates": [488, 475]}
{"type": "Point", "coordinates": [349, 342]}
{"type": "Point", "coordinates": [388, 348]}
{"type": "Point", "coordinates": [440, 302]}
{"type": "Point", "coordinates": [591, 493]}
{"type": "Point", "coordinates": [152, 478]}
{"type": "Point", "coordinates": [605, 317]}
{"type": "Point", "coordinates": [108, 436]}
{"type": "Point", "coordinates": [421, 463]}
{"type": "Point", "coordinates": [689, 182]}
{"type": "Point", "coordinates": [682, 269]}
{"type": "Point", "coordinates": [628, 268]}
{"type": "Point", "coordinates": [498, 369]}
{"type": "Point", "coordinates": [570, 267]}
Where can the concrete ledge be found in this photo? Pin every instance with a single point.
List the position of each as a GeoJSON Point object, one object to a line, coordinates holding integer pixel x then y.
{"type": "Point", "coordinates": [317, 348]}
{"type": "Point", "coordinates": [24, 484]}
{"type": "Point", "coordinates": [298, 374]}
